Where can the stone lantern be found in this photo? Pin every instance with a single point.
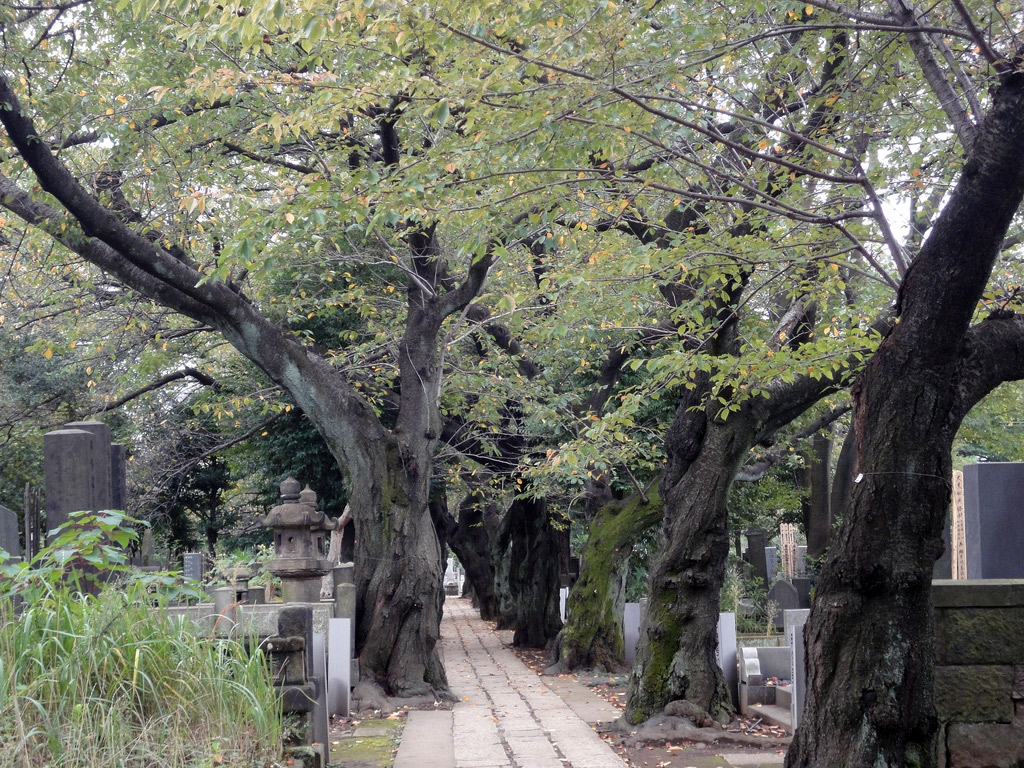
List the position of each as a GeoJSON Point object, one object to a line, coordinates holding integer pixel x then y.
{"type": "Point", "coordinates": [300, 543]}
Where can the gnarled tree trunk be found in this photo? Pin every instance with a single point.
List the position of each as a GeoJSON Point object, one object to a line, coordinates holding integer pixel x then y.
{"type": "Point", "coordinates": [678, 637]}
{"type": "Point", "coordinates": [471, 539]}
{"type": "Point", "coordinates": [869, 637]}
{"type": "Point", "coordinates": [527, 553]}
{"type": "Point", "coordinates": [398, 557]}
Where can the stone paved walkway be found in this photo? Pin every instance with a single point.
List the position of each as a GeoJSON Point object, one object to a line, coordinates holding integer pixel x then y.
{"type": "Point", "coordinates": [506, 717]}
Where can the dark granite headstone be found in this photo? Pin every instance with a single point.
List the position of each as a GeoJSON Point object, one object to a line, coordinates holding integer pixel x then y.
{"type": "Point", "coordinates": [994, 520]}
{"type": "Point", "coordinates": [77, 466]}
{"type": "Point", "coordinates": [192, 563]}
{"type": "Point", "coordinates": [786, 596]}
{"type": "Point", "coordinates": [9, 539]}
{"type": "Point", "coordinates": [756, 541]}
{"type": "Point", "coordinates": [803, 591]}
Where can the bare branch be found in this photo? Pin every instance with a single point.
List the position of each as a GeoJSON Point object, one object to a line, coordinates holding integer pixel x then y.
{"type": "Point", "coordinates": [755, 470]}
{"type": "Point", "coordinates": [184, 373]}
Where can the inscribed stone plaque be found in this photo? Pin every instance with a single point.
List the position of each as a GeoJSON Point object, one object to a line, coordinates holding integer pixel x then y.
{"type": "Point", "coordinates": [193, 565]}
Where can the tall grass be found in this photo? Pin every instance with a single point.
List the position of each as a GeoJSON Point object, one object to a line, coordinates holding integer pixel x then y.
{"type": "Point", "coordinates": [93, 682]}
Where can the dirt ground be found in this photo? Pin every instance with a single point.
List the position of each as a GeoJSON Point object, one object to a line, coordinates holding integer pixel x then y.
{"type": "Point", "coordinates": [671, 753]}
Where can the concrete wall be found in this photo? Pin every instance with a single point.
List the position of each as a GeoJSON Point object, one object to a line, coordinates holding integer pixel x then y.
{"type": "Point", "coordinates": [979, 672]}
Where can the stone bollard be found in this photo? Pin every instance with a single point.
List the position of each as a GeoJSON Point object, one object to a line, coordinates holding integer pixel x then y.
{"type": "Point", "coordinates": [225, 605]}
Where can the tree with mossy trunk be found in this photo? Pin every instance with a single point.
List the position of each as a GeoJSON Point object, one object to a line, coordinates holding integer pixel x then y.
{"type": "Point", "coordinates": [592, 637]}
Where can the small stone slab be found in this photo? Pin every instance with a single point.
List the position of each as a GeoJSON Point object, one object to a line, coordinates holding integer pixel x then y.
{"type": "Point", "coordinates": [977, 593]}
{"type": "Point", "coordinates": [748, 760]}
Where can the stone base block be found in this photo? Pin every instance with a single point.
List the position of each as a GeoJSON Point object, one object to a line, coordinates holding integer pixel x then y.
{"type": "Point", "coordinates": [974, 694]}
{"type": "Point", "coordinates": [985, 745]}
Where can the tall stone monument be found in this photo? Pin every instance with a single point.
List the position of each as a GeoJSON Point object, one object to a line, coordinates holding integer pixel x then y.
{"type": "Point", "coordinates": [994, 520]}
{"type": "Point", "coordinates": [84, 471]}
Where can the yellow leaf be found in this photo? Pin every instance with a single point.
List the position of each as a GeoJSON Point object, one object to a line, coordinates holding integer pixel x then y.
{"type": "Point", "coordinates": [48, 353]}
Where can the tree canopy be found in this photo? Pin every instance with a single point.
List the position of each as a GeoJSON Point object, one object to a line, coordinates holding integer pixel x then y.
{"type": "Point", "coordinates": [574, 245]}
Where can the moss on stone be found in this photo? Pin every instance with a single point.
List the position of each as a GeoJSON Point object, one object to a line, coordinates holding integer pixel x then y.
{"type": "Point", "coordinates": [371, 745]}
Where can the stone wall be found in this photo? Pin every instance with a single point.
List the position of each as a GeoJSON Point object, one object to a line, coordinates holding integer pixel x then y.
{"type": "Point", "coordinates": [979, 672]}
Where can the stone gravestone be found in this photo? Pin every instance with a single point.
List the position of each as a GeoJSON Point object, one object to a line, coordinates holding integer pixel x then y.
{"type": "Point", "coordinates": [993, 517]}
{"type": "Point", "coordinates": [803, 591]}
{"type": "Point", "coordinates": [9, 539]}
{"type": "Point", "coordinates": [800, 562]}
{"type": "Point", "coordinates": [725, 653]}
{"type": "Point", "coordinates": [755, 555]}
{"type": "Point", "coordinates": [192, 564]}
{"type": "Point", "coordinates": [786, 596]}
{"type": "Point", "coordinates": [771, 556]}
{"type": "Point", "coordinates": [794, 622]}
{"type": "Point", "coordinates": [78, 471]}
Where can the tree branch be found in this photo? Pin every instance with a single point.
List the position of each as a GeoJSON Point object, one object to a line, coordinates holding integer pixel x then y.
{"type": "Point", "coordinates": [755, 470]}
{"type": "Point", "coordinates": [184, 373]}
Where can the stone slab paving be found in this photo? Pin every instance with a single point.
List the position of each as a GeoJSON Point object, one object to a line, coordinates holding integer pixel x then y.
{"type": "Point", "coordinates": [741, 760]}
{"type": "Point", "coordinates": [427, 741]}
{"type": "Point", "coordinates": [506, 717]}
